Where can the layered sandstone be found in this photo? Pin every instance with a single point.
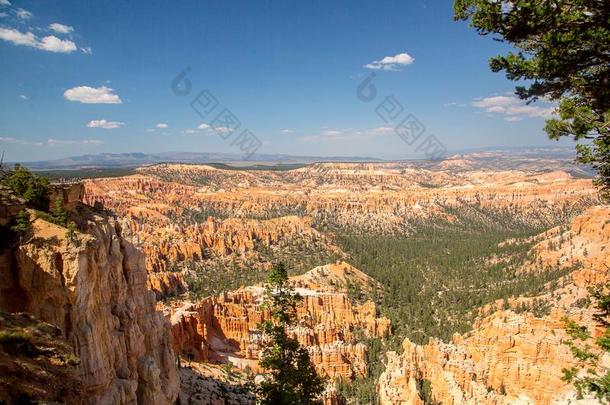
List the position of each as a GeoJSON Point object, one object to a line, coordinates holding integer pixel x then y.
{"type": "Point", "coordinates": [170, 222]}
{"type": "Point", "coordinates": [585, 242]}
{"type": "Point", "coordinates": [223, 329]}
{"type": "Point", "coordinates": [94, 290]}
{"type": "Point", "coordinates": [511, 357]}
{"type": "Point", "coordinates": [379, 197]}
{"type": "Point", "coordinates": [508, 357]}
{"type": "Point", "coordinates": [185, 214]}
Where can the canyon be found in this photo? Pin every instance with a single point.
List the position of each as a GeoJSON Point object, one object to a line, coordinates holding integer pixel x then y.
{"type": "Point", "coordinates": [512, 357]}
{"type": "Point", "coordinates": [159, 292]}
{"type": "Point", "coordinates": [225, 328]}
{"type": "Point", "coordinates": [185, 214]}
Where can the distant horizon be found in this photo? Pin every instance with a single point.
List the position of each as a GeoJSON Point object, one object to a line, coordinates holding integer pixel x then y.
{"type": "Point", "coordinates": [118, 160]}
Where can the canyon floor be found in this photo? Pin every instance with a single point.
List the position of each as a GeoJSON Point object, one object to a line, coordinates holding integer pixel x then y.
{"type": "Point", "coordinates": [424, 282]}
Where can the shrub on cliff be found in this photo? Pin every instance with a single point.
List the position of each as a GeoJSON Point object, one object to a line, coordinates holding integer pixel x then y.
{"type": "Point", "coordinates": [71, 233]}
{"type": "Point", "coordinates": [21, 223]}
{"type": "Point", "coordinates": [32, 188]}
{"type": "Point", "coordinates": [17, 341]}
{"type": "Point", "coordinates": [291, 378]}
{"type": "Point", "coordinates": [58, 211]}
{"type": "Point", "coordinates": [596, 379]}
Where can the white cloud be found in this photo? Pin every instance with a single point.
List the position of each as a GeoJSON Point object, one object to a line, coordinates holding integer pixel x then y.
{"type": "Point", "coordinates": [87, 50]}
{"type": "Point", "coordinates": [394, 63]}
{"type": "Point", "coordinates": [105, 124]}
{"type": "Point", "coordinates": [208, 129]}
{"type": "Point", "coordinates": [222, 130]}
{"type": "Point", "coordinates": [162, 125]}
{"type": "Point", "coordinates": [53, 44]}
{"type": "Point", "coordinates": [349, 134]}
{"type": "Point", "coordinates": [286, 131]}
{"type": "Point", "coordinates": [5, 3]}
{"type": "Point", "coordinates": [18, 38]}
{"type": "Point", "coordinates": [454, 104]}
{"type": "Point", "coordinates": [49, 43]}
{"type": "Point", "coordinates": [51, 142]}
{"type": "Point", "coordinates": [513, 108]}
{"type": "Point", "coordinates": [15, 141]}
{"type": "Point", "coordinates": [23, 14]}
{"type": "Point", "coordinates": [331, 132]}
{"type": "Point", "coordinates": [92, 95]}
{"type": "Point", "coordinates": [61, 28]}
{"type": "Point", "coordinates": [23, 97]}
{"type": "Point", "coordinates": [55, 142]}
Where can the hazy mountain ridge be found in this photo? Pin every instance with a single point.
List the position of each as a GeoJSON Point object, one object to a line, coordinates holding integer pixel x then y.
{"type": "Point", "coordinates": [543, 158]}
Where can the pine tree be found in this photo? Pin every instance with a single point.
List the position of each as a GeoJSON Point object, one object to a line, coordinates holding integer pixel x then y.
{"type": "Point", "coordinates": [71, 232]}
{"type": "Point", "coordinates": [58, 211]}
{"type": "Point", "coordinates": [561, 53]}
{"type": "Point", "coordinates": [22, 224]}
{"type": "Point", "coordinates": [592, 382]}
{"type": "Point", "coordinates": [26, 185]}
{"type": "Point", "coordinates": [291, 377]}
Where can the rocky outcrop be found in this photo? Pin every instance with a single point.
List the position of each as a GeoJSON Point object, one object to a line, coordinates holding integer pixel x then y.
{"type": "Point", "coordinates": [171, 223]}
{"type": "Point", "coordinates": [166, 283]}
{"type": "Point", "coordinates": [71, 194]}
{"type": "Point", "coordinates": [223, 329]}
{"type": "Point", "coordinates": [10, 205]}
{"type": "Point", "coordinates": [508, 357]}
{"type": "Point", "coordinates": [380, 198]}
{"type": "Point", "coordinates": [182, 215]}
{"type": "Point", "coordinates": [511, 357]}
{"type": "Point", "coordinates": [219, 237]}
{"type": "Point", "coordinates": [94, 289]}
{"type": "Point", "coordinates": [584, 242]}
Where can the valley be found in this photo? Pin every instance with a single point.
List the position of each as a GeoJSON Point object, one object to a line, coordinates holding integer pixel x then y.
{"type": "Point", "coordinates": [445, 282]}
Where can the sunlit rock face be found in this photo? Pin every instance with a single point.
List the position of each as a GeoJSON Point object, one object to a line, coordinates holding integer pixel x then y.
{"type": "Point", "coordinates": [512, 357]}
{"type": "Point", "coordinates": [380, 197]}
{"type": "Point", "coordinates": [223, 328]}
{"type": "Point", "coordinates": [196, 213]}
{"type": "Point", "coordinates": [95, 291]}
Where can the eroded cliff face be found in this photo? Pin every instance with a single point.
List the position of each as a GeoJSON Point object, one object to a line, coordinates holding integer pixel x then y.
{"type": "Point", "coordinates": [380, 197]}
{"type": "Point", "coordinates": [223, 329]}
{"type": "Point", "coordinates": [94, 289]}
{"type": "Point", "coordinates": [508, 357]}
{"type": "Point", "coordinates": [171, 223]}
{"type": "Point", "coordinates": [182, 215]}
{"type": "Point", "coordinates": [511, 357]}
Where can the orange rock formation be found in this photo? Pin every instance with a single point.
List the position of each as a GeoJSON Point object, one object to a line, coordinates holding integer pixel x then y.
{"type": "Point", "coordinates": [223, 328]}
{"type": "Point", "coordinates": [510, 357]}
{"type": "Point", "coordinates": [95, 291]}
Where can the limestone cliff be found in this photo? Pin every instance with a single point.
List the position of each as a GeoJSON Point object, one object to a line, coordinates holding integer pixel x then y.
{"type": "Point", "coordinates": [94, 289]}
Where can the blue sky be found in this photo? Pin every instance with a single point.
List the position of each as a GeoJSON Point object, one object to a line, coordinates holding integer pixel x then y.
{"type": "Point", "coordinates": [80, 77]}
